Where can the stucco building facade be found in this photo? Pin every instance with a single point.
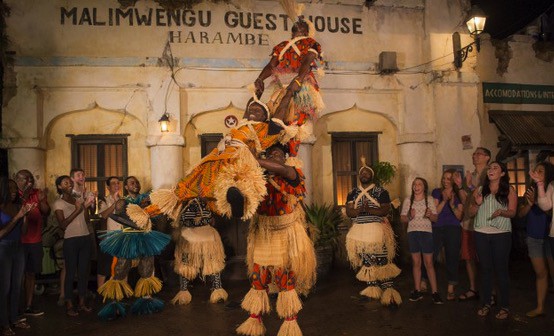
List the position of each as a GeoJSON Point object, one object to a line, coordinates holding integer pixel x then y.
{"type": "Point", "coordinates": [100, 75]}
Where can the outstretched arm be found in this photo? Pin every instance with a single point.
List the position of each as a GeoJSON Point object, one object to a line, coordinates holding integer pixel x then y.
{"type": "Point", "coordinates": [266, 72]}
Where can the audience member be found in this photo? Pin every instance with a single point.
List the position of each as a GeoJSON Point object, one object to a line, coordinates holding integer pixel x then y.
{"type": "Point", "coordinates": [473, 180]}
{"type": "Point", "coordinates": [32, 238]}
{"type": "Point", "coordinates": [447, 230]}
{"type": "Point", "coordinates": [493, 206]}
{"type": "Point", "coordinates": [537, 233]}
{"type": "Point", "coordinates": [13, 218]}
{"type": "Point", "coordinates": [72, 215]}
{"type": "Point", "coordinates": [418, 211]}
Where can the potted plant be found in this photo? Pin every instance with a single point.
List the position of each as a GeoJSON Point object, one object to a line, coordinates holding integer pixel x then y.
{"type": "Point", "coordinates": [384, 172]}
{"type": "Point", "coordinates": [324, 221]}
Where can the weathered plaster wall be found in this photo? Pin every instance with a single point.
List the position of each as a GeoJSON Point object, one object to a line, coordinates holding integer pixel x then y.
{"type": "Point", "coordinates": [81, 68]}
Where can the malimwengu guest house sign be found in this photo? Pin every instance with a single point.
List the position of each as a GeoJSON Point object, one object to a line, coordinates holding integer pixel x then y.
{"type": "Point", "coordinates": [503, 93]}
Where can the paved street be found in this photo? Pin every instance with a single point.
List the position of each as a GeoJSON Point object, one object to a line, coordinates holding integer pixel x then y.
{"type": "Point", "coordinates": [333, 309]}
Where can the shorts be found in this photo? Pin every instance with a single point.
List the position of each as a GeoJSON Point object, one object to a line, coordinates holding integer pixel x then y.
{"type": "Point", "coordinates": [420, 242]}
{"type": "Point", "coordinates": [536, 247]}
{"type": "Point", "coordinates": [468, 245]}
{"type": "Point", "coordinates": [33, 254]}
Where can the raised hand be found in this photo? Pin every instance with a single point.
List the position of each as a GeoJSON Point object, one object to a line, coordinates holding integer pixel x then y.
{"type": "Point", "coordinates": [457, 179]}
{"type": "Point", "coordinates": [535, 176]}
{"type": "Point", "coordinates": [530, 196]}
{"type": "Point", "coordinates": [25, 209]}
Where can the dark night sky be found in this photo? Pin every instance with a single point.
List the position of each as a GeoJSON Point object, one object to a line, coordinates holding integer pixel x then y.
{"type": "Point", "coordinates": [506, 17]}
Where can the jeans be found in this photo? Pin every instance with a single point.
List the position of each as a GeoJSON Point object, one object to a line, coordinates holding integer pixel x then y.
{"type": "Point", "coordinates": [493, 251]}
{"type": "Point", "coordinates": [450, 237]}
{"type": "Point", "coordinates": [76, 252]}
{"type": "Point", "coordinates": [12, 265]}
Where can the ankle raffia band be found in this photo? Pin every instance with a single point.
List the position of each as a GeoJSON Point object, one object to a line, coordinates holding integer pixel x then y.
{"type": "Point", "coordinates": [256, 316]}
{"type": "Point", "coordinates": [291, 318]}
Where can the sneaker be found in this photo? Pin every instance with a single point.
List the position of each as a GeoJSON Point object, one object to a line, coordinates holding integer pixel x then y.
{"type": "Point", "coordinates": [416, 296]}
{"type": "Point", "coordinates": [437, 298]}
{"type": "Point", "coordinates": [32, 312]}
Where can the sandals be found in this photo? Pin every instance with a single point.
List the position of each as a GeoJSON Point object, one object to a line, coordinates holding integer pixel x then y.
{"type": "Point", "coordinates": [21, 324]}
{"type": "Point", "coordinates": [71, 312]}
{"type": "Point", "coordinates": [450, 296]}
{"type": "Point", "coordinates": [469, 295]}
{"type": "Point", "coordinates": [502, 314]}
{"type": "Point", "coordinates": [484, 310]}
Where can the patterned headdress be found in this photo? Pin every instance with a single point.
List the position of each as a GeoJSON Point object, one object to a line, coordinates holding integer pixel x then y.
{"type": "Point", "coordinates": [294, 12]}
{"type": "Point", "coordinates": [365, 166]}
{"type": "Point", "coordinates": [256, 100]}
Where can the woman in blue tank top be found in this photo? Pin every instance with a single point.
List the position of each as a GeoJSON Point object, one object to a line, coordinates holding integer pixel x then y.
{"type": "Point", "coordinates": [538, 223]}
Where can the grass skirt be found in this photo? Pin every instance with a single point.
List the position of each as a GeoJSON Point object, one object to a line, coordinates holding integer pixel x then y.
{"type": "Point", "coordinates": [202, 251]}
{"type": "Point", "coordinates": [282, 242]}
{"type": "Point", "coordinates": [131, 244]}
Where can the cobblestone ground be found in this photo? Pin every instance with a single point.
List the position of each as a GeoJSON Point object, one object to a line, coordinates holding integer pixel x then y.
{"type": "Point", "coordinates": [334, 308]}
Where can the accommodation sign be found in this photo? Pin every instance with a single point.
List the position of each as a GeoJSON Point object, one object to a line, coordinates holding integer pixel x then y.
{"type": "Point", "coordinates": [201, 26]}
{"type": "Point", "coordinates": [507, 93]}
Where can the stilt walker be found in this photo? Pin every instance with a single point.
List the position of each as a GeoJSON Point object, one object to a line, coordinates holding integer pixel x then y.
{"type": "Point", "coordinates": [370, 242]}
{"type": "Point", "coordinates": [198, 252]}
{"type": "Point", "coordinates": [292, 69]}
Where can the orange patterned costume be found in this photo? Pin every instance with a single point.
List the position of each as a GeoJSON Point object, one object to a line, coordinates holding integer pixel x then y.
{"type": "Point", "coordinates": [307, 102]}
{"type": "Point", "coordinates": [232, 164]}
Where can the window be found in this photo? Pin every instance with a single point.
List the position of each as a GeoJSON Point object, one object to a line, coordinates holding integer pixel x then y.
{"type": "Point", "coordinates": [100, 156]}
{"type": "Point", "coordinates": [518, 169]}
{"type": "Point", "coordinates": [208, 142]}
{"type": "Point", "coordinates": [347, 148]}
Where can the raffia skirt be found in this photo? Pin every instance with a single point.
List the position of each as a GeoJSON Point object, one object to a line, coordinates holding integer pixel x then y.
{"type": "Point", "coordinates": [282, 242]}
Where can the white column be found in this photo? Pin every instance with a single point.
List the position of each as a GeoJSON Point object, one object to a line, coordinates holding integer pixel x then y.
{"type": "Point", "coordinates": [166, 160]}
{"type": "Point", "coordinates": [27, 154]}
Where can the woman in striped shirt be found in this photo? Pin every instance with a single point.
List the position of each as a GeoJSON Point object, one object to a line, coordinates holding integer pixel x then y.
{"type": "Point", "coordinates": [494, 204]}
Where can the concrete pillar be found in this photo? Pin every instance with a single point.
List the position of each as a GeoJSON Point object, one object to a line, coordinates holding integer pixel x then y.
{"type": "Point", "coordinates": [166, 160]}
{"type": "Point", "coordinates": [32, 159]}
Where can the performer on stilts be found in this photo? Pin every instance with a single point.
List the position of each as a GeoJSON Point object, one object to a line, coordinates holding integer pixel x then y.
{"type": "Point", "coordinates": [292, 69]}
{"type": "Point", "coordinates": [370, 242]}
{"type": "Point", "coordinates": [279, 249]}
{"type": "Point", "coordinates": [198, 252]}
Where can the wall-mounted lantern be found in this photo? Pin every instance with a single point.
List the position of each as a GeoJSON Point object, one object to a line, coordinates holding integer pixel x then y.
{"type": "Point", "coordinates": [475, 24]}
{"type": "Point", "coordinates": [164, 123]}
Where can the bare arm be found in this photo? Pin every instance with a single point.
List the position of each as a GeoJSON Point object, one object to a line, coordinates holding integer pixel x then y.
{"type": "Point", "coordinates": [12, 223]}
{"type": "Point", "coordinates": [545, 197]}
{"type": "Point", "coordinates": [43, 202]}
{"type": "Point", "coordinates": [524, 209]}
{"type": "Point", "coordinates": [266, 72]}
{"type": "Point", "coordinates": [285, 171]}
{"type": "Point", "coordinates": [512, 206]}
{"type": "Point", "coordinates": [350, 211]}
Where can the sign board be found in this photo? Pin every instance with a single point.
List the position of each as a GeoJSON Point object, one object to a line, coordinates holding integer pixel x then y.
{"type": "Point", "coordinates": [509, 93]}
